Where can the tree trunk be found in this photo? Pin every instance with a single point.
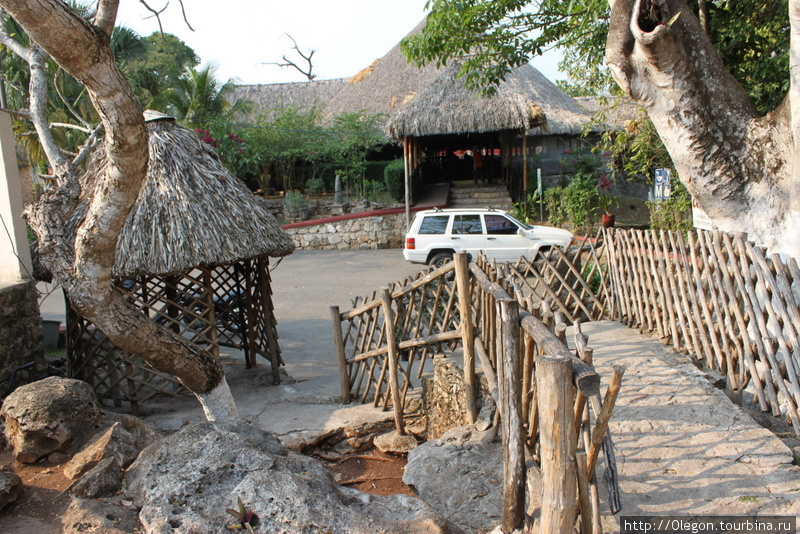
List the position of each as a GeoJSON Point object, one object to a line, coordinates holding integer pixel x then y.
{"type": "Point", "coordinates": [739, 166]}
{"type": "Point", "coordinates": [84, 266]}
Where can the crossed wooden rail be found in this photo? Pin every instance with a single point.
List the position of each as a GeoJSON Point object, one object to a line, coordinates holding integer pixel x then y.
{"type": "Point", "coordinates": [540, 387]}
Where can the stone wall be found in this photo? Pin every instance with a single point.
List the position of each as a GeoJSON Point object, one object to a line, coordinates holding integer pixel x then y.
{"type": "Point", "coordinates": [21, 333]}
{"type": "Point", "coordinates": [376, 231]}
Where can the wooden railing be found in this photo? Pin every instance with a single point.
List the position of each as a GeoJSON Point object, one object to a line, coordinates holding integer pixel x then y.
{"type": "Point", "coordinates": [540, 387]}
{"type": "Point", "coordinates": [719, 298]}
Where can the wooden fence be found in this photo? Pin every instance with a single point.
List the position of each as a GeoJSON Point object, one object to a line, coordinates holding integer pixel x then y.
{"type": "Point", "coordinates": [719, 298]}
{"type": "Point", "coordinates": [541, 389]}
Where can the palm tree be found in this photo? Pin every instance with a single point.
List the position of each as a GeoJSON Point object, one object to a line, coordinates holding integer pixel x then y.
{"type": "Point", "coordinates": [200, 99]}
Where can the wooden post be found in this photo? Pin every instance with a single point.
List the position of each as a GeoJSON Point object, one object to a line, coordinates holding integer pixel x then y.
{"type": "Point", "coordinates": [467, 334]}
{"type": "Point", "coordinates": [407, 179]}
{"type": "Point", "coordinates": [558, 443]}
{"type": "Point", "coordinates": [509, 363]}
{"type": "Point", "coordinates": [391, 342]}
{"type": "Point", "coordinates": [338, 340]}
{"type": "Point", "coordinates": [584, 496]}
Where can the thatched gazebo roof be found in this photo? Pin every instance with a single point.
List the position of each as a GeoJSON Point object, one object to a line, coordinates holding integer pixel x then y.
{"type": "Point", "coordinates": [447, 106]}
{"type": "Point", "coordinates": [191, 210]}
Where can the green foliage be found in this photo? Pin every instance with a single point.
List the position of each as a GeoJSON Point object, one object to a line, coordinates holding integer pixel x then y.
{"type": "Point", "coordinates": [356, 135]}
{"type": "Point", "coordinates": [199, 99]}
{"type": "Point", "coordinates": [155, 67]}
{"type": "Point", "coordinates": [491, 37]}
{"type": "Point", "coordinates": [234, 151]}
{"type": "Point", "coordinates": [315, 186]}
{"type": "Point", "coordinates": [295, 203]}
{"type": "Point", "coordinates": [674, 213]}
{"type": "Point", "coordinates": [247, 517]}
{"type": "Point", "coordinates": [633, 152]}
{"type": "Point", "coordinates": [576, 202]}
{"type": "Point", "coordinates": [394, 176]}
{"type": "Point", "coordinates": [528, 210]}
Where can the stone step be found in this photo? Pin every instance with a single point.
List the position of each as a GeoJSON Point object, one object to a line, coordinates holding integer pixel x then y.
{"type": "Point", "coordinates": [467, 196]}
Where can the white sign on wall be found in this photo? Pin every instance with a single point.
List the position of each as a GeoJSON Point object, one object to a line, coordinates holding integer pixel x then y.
{"type": "Point", "coordinates": [700, 217]}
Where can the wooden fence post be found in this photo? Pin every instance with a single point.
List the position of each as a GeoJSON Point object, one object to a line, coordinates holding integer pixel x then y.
{"type": "Point", "coordinates": [509, 363]}
{"type": "Point", "coordinates": [558, 443]}
{"type": "Point", "coordinates": [391, 342]}
{"type": "Point", "coordinates": [467, 333]}
{"type": "Point", "coordinates": [338, 341]}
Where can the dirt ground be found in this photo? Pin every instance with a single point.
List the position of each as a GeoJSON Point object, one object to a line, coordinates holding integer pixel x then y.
{"type": "Point", "coordinates": [43, 500]}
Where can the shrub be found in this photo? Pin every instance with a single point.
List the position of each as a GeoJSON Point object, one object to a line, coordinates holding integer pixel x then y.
{"type": "Point", "coordinates": [315, 186]}
{"type": "Point", "coordinates": [394, 178]}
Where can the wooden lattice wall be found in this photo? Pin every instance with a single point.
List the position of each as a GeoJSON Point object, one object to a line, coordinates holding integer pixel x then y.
{"type": "Point", "coordinates": [226, 305]}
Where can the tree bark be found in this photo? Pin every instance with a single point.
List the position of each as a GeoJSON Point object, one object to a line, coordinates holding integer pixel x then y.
{"type": "Point", "coordinates": [738, 165]}
{"type": "Point", "coordinates": [83, 263]}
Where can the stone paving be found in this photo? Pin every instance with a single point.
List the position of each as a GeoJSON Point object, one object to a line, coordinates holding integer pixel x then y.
{"type": "Point", "coordinates": [682, 447]}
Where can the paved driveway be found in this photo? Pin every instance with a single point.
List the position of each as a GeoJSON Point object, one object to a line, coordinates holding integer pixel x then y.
{"type": "Point", "coordinates": [305, 285]}
{"type": "Point", "coordinates": [308, 282]}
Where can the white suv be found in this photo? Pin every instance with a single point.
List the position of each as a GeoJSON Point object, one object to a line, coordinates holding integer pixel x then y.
{"type": "Point", "coordinates": [436, 235]}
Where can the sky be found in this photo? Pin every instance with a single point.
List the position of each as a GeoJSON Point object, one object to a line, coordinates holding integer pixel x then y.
{"type": "Point", "coordinates": [241, 37]}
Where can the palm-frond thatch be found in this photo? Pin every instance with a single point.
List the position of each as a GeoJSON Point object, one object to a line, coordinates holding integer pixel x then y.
{"type": "Point", "coordinates": [191, 210]}
{"type": "Point", "coordinates": [447, 106]}
{"type": "Point", "coordinates": [269, 99]}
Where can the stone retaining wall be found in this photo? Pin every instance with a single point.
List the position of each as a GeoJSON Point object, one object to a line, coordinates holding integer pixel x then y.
{"type": "Point", "coordinates": [377, 231]}
{"type": "Point", "coordinates": [21, 333]}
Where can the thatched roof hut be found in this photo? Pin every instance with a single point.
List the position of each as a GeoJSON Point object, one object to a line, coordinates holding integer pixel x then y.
{"type": "Point", "coordinates": [193, 256]}
{"type": "Point", "coordinates": [191, 210]}
{"type": "Point", "coordinates": [447, 106]}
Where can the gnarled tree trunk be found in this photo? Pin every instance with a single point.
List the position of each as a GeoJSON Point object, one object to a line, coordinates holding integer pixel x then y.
{"type": "Point", "coordinates": [738, 165]}
{"type": "Point", "coordinates": [84, 266]}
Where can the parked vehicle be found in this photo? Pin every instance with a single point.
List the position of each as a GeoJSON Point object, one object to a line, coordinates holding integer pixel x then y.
{"type": "Point", "coordinates": [436, 235]}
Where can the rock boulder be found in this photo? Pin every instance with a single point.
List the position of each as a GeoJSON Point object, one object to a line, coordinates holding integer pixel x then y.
{"type": "Point", "coordinates": [10, 488]}
{"type": "Point", "coordinates": [54, 414]}
{"type": "Point", "coordinates": [461, 476]}
{"type": "Point", "coordinates": [184, 483]}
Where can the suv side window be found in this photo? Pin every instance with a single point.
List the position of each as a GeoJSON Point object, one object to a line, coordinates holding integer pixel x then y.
{"type": "Point", "coordinates": [434, 224]}
{"type": "Point", "coordinates": [497, 224]}
{"type": "Point", "coordinates": [467, 224]}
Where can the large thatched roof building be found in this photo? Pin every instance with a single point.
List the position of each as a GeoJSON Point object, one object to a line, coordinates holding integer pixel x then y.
{"type": "Point", "coordinates": [193, 256]}
{"type": "Point", "coordinates": [438, 119]}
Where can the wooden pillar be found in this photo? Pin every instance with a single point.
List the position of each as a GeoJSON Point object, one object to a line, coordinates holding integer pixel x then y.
{"type": "Point", "coordinates": [524, 167]}
{"type": "Point", "coordinates": [391, 342]}
{"type": "Point", "coordinates": [509, 363]}
{"type": "Point", "coordinates": [408, 170]}
{"type": "Point", "coordinates": [338, 340]}
{"type": "Point", "coordinates": [467, 334]}
{"type": "Point", "coordinates": [558, 443]}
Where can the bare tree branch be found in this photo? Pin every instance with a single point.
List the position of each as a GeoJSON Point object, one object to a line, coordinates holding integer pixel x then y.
{"type": "Point", "coordinates": [156, 14]}
{"type": "Point", "coordinates": [68, 105]}
{"type": "Point", "coordinates": [91, 143]}
{"type": "Point", "coordinates": [183, 11]}
{"type": "Point", "coordinates": [70, 126]}
{"type": "Point", "coordinates": [289, 63]}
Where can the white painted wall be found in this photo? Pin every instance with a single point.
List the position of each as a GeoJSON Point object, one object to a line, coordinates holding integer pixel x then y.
{"type": "Point", "coordinates": [15, 257]}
